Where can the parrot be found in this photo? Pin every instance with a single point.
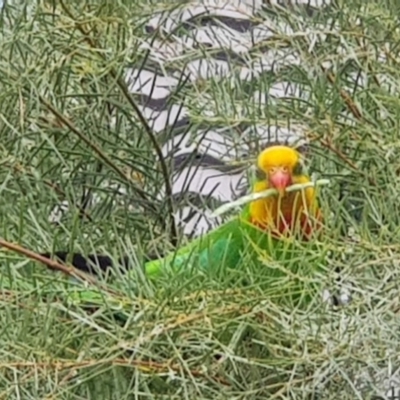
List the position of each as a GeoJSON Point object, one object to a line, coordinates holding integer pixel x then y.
{"type": "Point", "coordinates": [261, 224]}
{"type": "Point", "coordinates": [254, 231]}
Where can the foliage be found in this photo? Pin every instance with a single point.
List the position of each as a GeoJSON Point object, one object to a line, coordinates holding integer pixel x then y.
{"type": "Point", "coordinates": [71, 130]}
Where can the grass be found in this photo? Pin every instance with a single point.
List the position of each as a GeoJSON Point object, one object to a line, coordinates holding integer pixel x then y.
{"type": "Point", "coordinates": [70, 128]}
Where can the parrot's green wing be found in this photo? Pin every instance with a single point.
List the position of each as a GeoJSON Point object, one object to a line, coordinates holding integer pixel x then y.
{"type": "Point", "coordinates": [220, 245]}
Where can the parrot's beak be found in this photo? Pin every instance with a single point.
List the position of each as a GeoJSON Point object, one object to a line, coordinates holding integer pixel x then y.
{"type": "Point", "coordinates": [280, 179]}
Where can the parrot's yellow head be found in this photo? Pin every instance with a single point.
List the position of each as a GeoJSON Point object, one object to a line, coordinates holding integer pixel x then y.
{"type": "Point", "coordinates": [279, 163]}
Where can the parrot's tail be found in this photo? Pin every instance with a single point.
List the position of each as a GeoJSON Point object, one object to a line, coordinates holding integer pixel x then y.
{"type": "Point", "coordinates": [94, 264]}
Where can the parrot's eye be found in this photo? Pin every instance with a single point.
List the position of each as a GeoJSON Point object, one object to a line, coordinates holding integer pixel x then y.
{"type": "Point", "coordinates": [272, 171]}
{"type": "Point", "coordinates": [282, 168]}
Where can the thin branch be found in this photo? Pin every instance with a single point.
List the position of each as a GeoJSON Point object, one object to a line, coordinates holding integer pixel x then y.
{"type": "Point", "coordinates": [143, 366]}
{"type": "Point", "coordinates": [92, 145]}
{"type": "Point", "coordinates": [19, 168]}
{"type": "Point", "coordinates": [122, 86]}
{"type": "Point", "coordinates": [351, 105]}
{"type": "Point", "coordinates": [52, 264]}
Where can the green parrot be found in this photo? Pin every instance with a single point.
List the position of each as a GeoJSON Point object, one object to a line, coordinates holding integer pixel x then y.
{"type": "Point", "coordinates": [263, 233]}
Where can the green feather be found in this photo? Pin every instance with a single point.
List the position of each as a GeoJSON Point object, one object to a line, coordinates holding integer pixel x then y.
{"type": "Point", "coordinates": [226, 245]}
{"type": "Point", "coordinates": [223, 244]}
